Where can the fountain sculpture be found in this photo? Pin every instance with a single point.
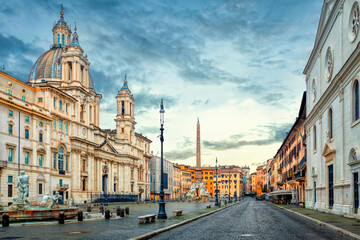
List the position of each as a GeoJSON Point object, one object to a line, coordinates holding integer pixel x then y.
{"type": "Point", "coordinates": [198, 191]}
{"type": "Point", "coordinates": [22, 210]}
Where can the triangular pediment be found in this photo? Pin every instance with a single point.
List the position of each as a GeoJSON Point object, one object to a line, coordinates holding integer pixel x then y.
{"type": "Point", "coordinates": [329, 148]}
{"type": "Point", "coordinates": [107, 147]}
{"type": "Point", "coordinates": [325, 13]}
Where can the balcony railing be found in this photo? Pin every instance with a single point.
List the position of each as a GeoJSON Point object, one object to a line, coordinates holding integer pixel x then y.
{"type": "Point", "coordinates": [3, 163]}
{"type": "Point", "coordinates": [62, 187]}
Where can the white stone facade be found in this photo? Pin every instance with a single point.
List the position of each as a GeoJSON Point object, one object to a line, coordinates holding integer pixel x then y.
{"type": "Point", "coordinates": [332, 127]}
{"type": "Point", "coordinates": [61, 146]}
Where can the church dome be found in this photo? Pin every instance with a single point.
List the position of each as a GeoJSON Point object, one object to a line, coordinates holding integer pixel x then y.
{"type": "Point", "coordinates": [48, 65]}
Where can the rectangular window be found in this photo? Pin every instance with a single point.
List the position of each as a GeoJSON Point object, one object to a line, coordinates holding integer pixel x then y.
{"type": "Point", "coordinates": [66, 163]}
{"type": "Point", "coordinates": [60, 182]}
{"type": "Point", "coordinates": [27, 158]}
{"type": "Point", "coordinates": [27, 133]}
{"type": "Point", "coordinates": [66, 107]}
{"type": "Point", "coordinates": [11, 113]}
{"type": "Point", "coordinates": [60, 125]}
{"type": "Point", "coordinates": [54, 159]}
{"type": "Point", "coordinates": [40, 160]}
{"type": "Point", "coordinates": [40, 99]}
{"type": "Point", "coordinates": [10, 92]}
{"type": "Point", "coordinates": [10, 190]}
{"type": "Point", "coordinates": [27, 119]}
{"type": "Point", "coordinates": [10, 154]}
{"type": "Point", "coordinates": [10, 179]}
{"type": "Point", "coordinates": [54, 102]}
{"type": "Point", "coordinates": [10, 130]}
{"type": "Point", "coordinates": [23, 98]}
{"type": "Point", "coordinates": [40, 137]}
{"type": "Point", "coordinates": [66, 127]}
{"type": "Point", "coordinates": [40, 188]}
{"type": "Point", "coordinates": [54, 124]}
{"type": "Point", "coordinates": [60, 104]}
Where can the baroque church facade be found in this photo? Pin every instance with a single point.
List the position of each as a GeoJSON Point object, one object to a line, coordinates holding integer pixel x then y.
{"type": "Point", "coordinates": [50, 129]}
{"type": "Point", "coordinates": [332, 118]}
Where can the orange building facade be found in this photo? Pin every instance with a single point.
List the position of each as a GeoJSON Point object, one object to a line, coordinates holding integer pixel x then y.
{"type": "Point", "coordinates": [229, 180]}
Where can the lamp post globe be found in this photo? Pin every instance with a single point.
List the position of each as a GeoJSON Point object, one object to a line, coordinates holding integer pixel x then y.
{"type": "Point", "coordinates": [162, 212]}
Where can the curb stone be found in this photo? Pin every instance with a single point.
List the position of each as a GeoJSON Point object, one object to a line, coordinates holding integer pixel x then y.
{"type": "Point", "coordinates": [165, 229]}
{"type": "Point", "coordinates": [321, 223]}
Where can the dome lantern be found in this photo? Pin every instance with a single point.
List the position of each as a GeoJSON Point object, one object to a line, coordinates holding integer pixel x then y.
{"type": "Point", "coordinates": [61, 31]}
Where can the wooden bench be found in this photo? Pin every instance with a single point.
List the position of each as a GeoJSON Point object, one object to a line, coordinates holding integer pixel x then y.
{"type": "Point", "coordinates": [147, 218]}
{"type": "Point", "coordinates": [208, 206]}
{"type": "Point", "coordinates": [177, 213]}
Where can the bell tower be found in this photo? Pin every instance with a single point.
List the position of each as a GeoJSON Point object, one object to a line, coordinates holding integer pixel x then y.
{"type": "Point", "coordinates": [125, 120]}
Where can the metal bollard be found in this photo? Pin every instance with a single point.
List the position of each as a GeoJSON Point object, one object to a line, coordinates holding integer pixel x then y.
{"type": "Point", "coordinates": [107, 214]}
{"type": "Point", "coordinates": [127, 210]}
{"type": "Point", "coordinates": [88, 208]}
{"type": "Point", "coordinates": [102, 209]}
{"type": "Point", "coordinates": [61, 217]}
{"type": "Point", "coordinates": [118, 211]}
{"type": "Point", "coordinates": [122, 212]}
{"type": "Point", "coordinates": [80, 216]}
{"type": "Point", "coordinates": [5, 220]}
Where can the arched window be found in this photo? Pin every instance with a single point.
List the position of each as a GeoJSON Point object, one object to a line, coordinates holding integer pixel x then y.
{"type": "Point", "coordinates": [61, 158]}
{"type": "Point", "coordinates": [58, 40]}
{"type": "Point", "coordinates": [63, 40]}
{"type": "Point", "coordinates": [356, 100]}
{"type": "Point", "coordinates": [330, 124]}
{"type": "Point", "coordinates": [314, 132]}
{"type": "Point", "coordinates": [81, 74]}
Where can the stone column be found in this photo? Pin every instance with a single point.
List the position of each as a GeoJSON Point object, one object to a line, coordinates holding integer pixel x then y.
{"type": "Point", "coordinates": [73, 73]}
{"type": "Point", "coordinates": [343, 160]}
{"type": "Point", "coordinates": [122, 178]}
{"type": "Point", "coordinates": [78, 70]}
{"type": "Point", "coordinates": [63, 71]}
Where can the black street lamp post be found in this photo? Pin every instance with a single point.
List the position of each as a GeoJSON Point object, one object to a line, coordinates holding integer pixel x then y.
{"type": "Point", "coordinates": [162, 212]}
{"type": "Point", "coordinates": [229, 189]}
{"type": "Point", "coordinates": [216, 191]}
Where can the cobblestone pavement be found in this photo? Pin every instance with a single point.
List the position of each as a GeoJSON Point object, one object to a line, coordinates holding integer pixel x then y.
{"type": "Point", "coordinates": [120, 228]}
{"type": "Point", "coordinates": [252, 220]}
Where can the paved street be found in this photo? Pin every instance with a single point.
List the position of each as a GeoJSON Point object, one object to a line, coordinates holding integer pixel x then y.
{"type": "Point", "coordinates": [252, 220]}
{"type": "Point", "coordinates": [121, 228]}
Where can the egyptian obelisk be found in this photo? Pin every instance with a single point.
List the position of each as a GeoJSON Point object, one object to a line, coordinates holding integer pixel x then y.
{"type": "Point", "coordinates": [198, 172]}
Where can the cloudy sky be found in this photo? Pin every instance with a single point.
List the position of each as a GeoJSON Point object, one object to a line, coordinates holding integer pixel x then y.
{"type": "Point", "coordinates": [237, 65]}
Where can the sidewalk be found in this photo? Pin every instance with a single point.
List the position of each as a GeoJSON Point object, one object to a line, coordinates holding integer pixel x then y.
{"type": "Point", "coordinates": [351, 225]}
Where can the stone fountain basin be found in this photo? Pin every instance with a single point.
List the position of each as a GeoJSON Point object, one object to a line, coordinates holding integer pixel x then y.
{"type": "Point", "coordinates": [39, 214]}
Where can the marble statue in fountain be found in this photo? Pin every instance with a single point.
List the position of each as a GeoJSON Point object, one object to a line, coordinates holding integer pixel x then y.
{"type": "Point", "coordinates": [22, 210]}
{"type": "Point", "coordinates": [198, 191]}
{"type": "Point", "coordinates": [20, 202]}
